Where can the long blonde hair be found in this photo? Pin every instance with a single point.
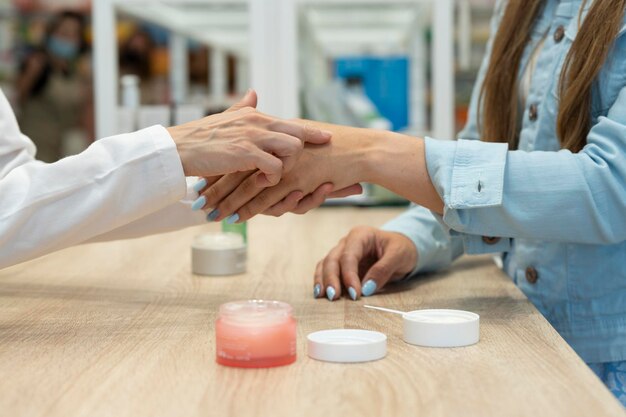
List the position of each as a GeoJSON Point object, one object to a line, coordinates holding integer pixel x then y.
{"type": "Point", "coordinates": [498, 104]}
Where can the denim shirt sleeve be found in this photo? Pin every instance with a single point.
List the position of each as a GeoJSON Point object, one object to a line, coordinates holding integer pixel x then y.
{"type": "Point", "coordinates": [436, 248]}
{"type": "Point", "coordinates": [553, 196]}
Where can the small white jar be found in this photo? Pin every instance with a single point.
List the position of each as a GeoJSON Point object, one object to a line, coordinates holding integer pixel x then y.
{"type": "Point", "coordinates": [218, 254]}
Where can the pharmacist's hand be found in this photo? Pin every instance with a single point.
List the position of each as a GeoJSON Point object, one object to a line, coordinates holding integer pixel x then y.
{"type": "Point", "coordinates": [243, 139]}
{"type": "Point", "coordinates": [363, 262]}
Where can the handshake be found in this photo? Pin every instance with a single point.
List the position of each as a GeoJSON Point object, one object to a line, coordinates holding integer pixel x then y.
{"type": "Point", "coordinates": [252, 163]}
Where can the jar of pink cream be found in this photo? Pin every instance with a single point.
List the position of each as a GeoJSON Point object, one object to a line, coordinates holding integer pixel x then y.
{"type": "Point", "coordinates": [255, 334]}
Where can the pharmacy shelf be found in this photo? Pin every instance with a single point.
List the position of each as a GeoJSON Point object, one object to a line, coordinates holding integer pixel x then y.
{"type": "Point", "coordinates": [222, 25]}
{"type": "Point", "coordinates": [265, 34]}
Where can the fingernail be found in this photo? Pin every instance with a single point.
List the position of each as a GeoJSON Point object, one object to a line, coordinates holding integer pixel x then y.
{"type": "Point", "coordinates": [317, 290]}
{"type": "Point", "coordinates": [213, 215]}
{"type": "Point", "coordinates": [352, 293]}
{"type": "Point", "coordinates": [369, 288]}
{"type": "Point", "coordinates": [232, 218]}
{"type": "Point", "coordinates": [330, 293]}
{"type": "Point", "coordinates": [199, 203]}
{"type": "Point", "coordinates": [199, 185]}
{"type": "Point", "coordinates": [327, 134]}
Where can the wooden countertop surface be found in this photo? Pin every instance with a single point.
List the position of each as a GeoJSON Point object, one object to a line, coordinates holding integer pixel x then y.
{"type": "Point", "coordinates": [124, 329]}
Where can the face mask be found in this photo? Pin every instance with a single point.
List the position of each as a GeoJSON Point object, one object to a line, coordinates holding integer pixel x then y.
{"type": "Point", "coordinates": [62, 48]}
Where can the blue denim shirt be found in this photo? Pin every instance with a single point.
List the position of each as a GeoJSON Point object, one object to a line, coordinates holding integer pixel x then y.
{"type": "Point", "coordinates": [560, 216]}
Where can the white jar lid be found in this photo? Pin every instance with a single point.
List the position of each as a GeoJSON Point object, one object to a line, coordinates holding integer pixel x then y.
{"type": "Point", "coordinates": [441, 328]}
{"type": "Point", "coordinates": [218, 241]}
{"type": "Point", "coordinates": [347, 345]}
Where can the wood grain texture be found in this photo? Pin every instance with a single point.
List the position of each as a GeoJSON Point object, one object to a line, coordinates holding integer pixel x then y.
{"type": "Point", "coordinates": [125, 329]}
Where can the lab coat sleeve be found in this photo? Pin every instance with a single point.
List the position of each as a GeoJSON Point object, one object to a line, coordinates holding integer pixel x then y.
{"type": "Point", "coordinates": [173, 217]}
{"type": "Point", "coordinates": [15, 148]}
{"type": "Point", "coordinates": [116, 181]}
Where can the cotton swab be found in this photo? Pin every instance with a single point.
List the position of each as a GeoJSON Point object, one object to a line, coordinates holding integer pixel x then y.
{"type": "Point", "coordinates": [388, 310]}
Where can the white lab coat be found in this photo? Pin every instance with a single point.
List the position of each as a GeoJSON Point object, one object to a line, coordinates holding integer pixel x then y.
{"type": "Point", "coordinates": [122, 186]}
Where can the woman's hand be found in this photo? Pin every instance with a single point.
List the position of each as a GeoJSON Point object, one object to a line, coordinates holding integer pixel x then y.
{"type": "Point", "coordinates": [330, 170]}
{"type": "Point", "coordinates": [243, 139]}
{"type": "Point", "coordinates": [363, 262]}
{"type": "Point", "coordinates": [296, 202]}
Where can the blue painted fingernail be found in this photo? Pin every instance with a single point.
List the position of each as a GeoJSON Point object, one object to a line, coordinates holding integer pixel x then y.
{"type": "Point", "coordinates": [199, 185]}
{"type": "Point", "coordinates": [213, 215]}
{"type": "Point", "coordinates": [330, 293]}
{"type": "Point", "coordinates": [199, 203]}
{"type": "Point", "coordinates": [352, 293]}
{"type": "Point", "coordinates": [317, 290]}
{"type": "Point", "coordinates": [232, 218]}
{"type": "Point", "coordinates": [369, 288]}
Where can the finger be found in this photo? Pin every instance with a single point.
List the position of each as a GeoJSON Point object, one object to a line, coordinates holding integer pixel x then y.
{"type": "Point", "coordinates": [286, 147]}
{"type": "Point", "coordinates": [288, 204]}
{"type": "Point", "coordinates": [248, 203]}
{"type": "Point", "coordinates": [270, 166]}
{"type": "Point", "coordinates": [318, 282]}
{"type": "Point", "coordinates": [248, 100]}
{"type": "Point", "coordinates": [222, 188]}
{"type": "Point", "coordinates": [303, 131]}
{"type": "Point", "coordinates": [331, 272]}
{"type": "Point", "coordinates": [380, 273]}
{"type": "Point", "coordinates": [247, 190]}
{"type": "Point", "coordinates": [348, 191]}
{"type": "Point", "coordinates": [313, 200]}
{"type": "Point", "coordinates": [205, 182]}
{"type": "Point", "coordinates": [356, 246]}
{"type": "Point", "coordinates": [212, 180]}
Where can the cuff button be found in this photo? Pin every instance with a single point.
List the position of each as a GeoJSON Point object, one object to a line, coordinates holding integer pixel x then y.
{"type": "Point", "coordinates": [491, 240]}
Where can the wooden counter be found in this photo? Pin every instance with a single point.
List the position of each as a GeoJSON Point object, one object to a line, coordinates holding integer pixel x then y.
{"type": "Point", "coordinates": [125, 329]}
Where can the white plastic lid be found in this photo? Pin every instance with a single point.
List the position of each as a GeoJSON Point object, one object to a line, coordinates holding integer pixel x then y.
{"type": "Point", "coordinates": [347, 345]}
{"type": "Point", "coordinates": [218, 241]}
{"type": "Point", "coordinates": [441, 328]}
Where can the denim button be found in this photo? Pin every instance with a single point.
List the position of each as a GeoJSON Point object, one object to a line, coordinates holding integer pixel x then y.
{"type": "Point", "coordinates": [559, 33]}
{"type": "Point", "coordinates": [532, 112]}
{"type": "Point", "coordinates": [531, 275]}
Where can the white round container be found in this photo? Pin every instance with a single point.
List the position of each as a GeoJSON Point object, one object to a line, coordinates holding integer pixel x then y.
{"type": "Point", "coordinates": [441, 328]}
{"type": "Point", "coordinates": [347, 345]}
{"type": "Point", "coordinates": [218, 254]}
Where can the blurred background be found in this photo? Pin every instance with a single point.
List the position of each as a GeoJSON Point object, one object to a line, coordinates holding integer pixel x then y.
{"type": "Point", "coordinates": [76, 70]}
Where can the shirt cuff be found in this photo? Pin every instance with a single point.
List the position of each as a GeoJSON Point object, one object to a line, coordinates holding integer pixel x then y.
{"type": "Point", "coordinates": [467, 174]}
{"type": "Point", "coordinates": [476, 244]}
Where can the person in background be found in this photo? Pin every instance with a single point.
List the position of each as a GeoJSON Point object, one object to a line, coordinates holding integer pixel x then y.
{"type": "Point", "coordinates": [53, 88]}
{"type": "Point", "coordinates": [135, 54]}
{"type": "Point", "coordinates": [135, 57]}
{"type": "Point", "coordinates": [537, 176]}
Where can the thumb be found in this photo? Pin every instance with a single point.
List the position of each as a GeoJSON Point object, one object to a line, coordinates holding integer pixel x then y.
{"type": "Point", "coordinates": [248, 100]}
{"type": "Point", "coordinates": [379, 274]}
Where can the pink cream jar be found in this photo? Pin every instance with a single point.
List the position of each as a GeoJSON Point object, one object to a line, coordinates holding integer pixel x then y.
{"type": "Point", "coordinates": [255, 334]}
